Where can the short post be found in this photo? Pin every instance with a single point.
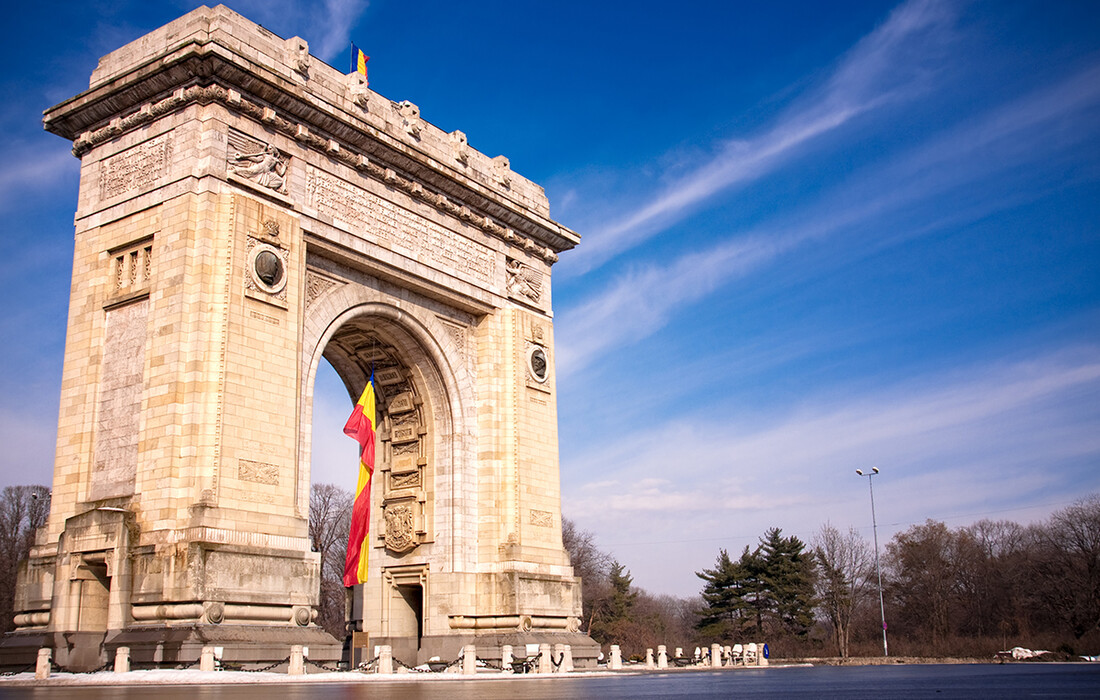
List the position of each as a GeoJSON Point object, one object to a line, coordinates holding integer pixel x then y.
{"type": "Point", "coordinates": [469, 660]}
{"type": "Point", "coordinates": [206, 661]}
{"type": "Point", "coordinates": [544, 660]}
{"type": "Point", "coordinates": [567, 659]}
{"type": "Point", "coordinates": [42, 666]}
{"type": "Point", "coordinates": [761, 656]}
{"type": "Point", "coordinates": [726, 655]}
{"type": "Point", "coordinates": [506, 657]}
{"type": "Point", "coordinates": [649, 658]}
{"type": "Point", "coordinates": [385, 659]}
{"type": "Point", "coordinates": [616, 658]}
{"type": "Point", "coordinates": [662, 656]}
{"type": "Point", "coordinates": [297, 665]}
{"type": "Point", "coordinates": [122, 660]}
{"type": "Point", "coordinates": [715, 655]}
{"type": "Point", "coordinates": [679, 652]}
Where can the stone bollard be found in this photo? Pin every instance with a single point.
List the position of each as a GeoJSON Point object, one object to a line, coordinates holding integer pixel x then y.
{"type": "Point", "coordinates": [42, 666]}
{"type": "Point", "coordinates": [662, 656]}
{"type": "Point", "coordinates": [206, 661]}
{"type": "Point", "coordinates": [544, 660]}
{"type": "Point", "coordinates": [297, 665]}
{"type": "Point", "coordinates": [385, 659]}
{"type": "Point", "coordinates": [616, 663]}
{"type": "Point", "coordinates": [122, 660]}
{"type": "Point", "coordinates": [715, 655]}
{"type": "Point", "coordinates": [567, 660]}
{"type": "Point", "coordinates": [679, 652]}
{"type": "Point", "coordinates": [506, 657]}
{"type": "Point", "coordinates": [649, 658]}
{"type": "Point", "coordinates": [469, 660]}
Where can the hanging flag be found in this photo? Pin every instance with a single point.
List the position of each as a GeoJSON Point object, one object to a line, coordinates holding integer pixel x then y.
{"type": "Point", "coordinates": [360, 426]}
{"type": "Point", "coordinates": [359, 61]}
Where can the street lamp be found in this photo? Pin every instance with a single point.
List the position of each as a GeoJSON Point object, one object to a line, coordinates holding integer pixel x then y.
{"type": "Point", "coordinates": [878, 570]}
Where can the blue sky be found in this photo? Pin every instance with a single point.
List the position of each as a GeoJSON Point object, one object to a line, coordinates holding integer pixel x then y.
{"type": "Point", "coordinates": [816, 237]}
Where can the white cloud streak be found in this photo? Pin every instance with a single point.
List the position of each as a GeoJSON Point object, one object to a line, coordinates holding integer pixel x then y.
{"type": "Point", "coordinates": [641, 302]}
{"type": "Point", "coordinates": [36, 169]}
{"type": "Point", "coordinates": [326, 25]}
{"type": "Point", "coordinates": [987, 438]}
{"type": "Point", "coordinates": [887, 65]}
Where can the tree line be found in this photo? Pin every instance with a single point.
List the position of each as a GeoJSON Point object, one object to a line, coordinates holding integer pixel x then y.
{"type": "Point", "coordinates": [966, 591]}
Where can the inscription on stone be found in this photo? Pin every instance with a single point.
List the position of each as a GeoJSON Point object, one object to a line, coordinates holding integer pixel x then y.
{"type": "Point", "coordinates": [404, 463]}
{"type": "Point", "coordinates": [542, 518]}
{"type": "Point", "coordinates": [402, 403]}
{"type": "Point", "coordinates": [135, 168]}
{"type": "Point", "coordinates": [397, 228]}
{"type": "Point", "coordinates": [387, 376]}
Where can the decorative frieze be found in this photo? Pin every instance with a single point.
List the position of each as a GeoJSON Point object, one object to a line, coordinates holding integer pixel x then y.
{"type": "Point", "coordinates": [348, 155]}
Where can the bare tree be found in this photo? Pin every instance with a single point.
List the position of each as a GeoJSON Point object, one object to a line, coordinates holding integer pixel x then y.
{"type": "Point", "coordinates": [1067, 566]}
{"type": "Point", "coordinates": [23, 509]}
{"type": "Point", "coordinates": [845, 563]}
{"type": "Point", "coordinates": [329, 525]}
{"type": "Point", "coordinates": [590, 563]}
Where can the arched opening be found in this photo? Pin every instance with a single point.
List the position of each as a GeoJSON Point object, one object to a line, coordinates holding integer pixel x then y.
{"type": "Point", "coordinates": [414, 436]}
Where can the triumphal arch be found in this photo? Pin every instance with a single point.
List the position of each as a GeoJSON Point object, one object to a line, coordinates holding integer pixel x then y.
{"type": "Point", "coordinates": [247, 212]}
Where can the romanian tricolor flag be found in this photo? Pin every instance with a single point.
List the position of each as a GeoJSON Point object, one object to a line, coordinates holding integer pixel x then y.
{"type": "Point", "coordinates": [359, 61]}
{"type": "Point", "coordinates": [361, 427]}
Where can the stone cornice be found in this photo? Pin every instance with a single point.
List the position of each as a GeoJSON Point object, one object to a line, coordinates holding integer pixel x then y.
{"type": "Point", "coordinates": [204, 72]}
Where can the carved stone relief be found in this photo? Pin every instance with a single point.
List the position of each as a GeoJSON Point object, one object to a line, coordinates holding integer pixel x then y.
{"type": "Point", "coordinates": [259, 162]}
{"type": "Point", "coordinates": [400, 526]}
{"type": "Point", "coordinates": [524, 281]}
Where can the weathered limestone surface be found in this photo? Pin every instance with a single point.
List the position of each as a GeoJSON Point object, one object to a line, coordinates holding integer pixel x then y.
{"type": "Point", "coordinates": [246, 211]}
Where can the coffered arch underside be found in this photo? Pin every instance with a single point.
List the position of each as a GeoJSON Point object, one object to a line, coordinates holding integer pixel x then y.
{"type": "Point", "coordinates": [426, 368]}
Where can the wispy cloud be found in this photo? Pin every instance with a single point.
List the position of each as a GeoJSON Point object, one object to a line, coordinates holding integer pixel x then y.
{"type": "Point", "coordinates": [889, 64]}
{"type": "Point", "coordinates": [1024, 131]}
{"type": "Point", "coordinates": [968, 441]}
{"type": "Point", "coordinates": [26, 170]}
{"type": "Point", "coordinates": [326, 25]}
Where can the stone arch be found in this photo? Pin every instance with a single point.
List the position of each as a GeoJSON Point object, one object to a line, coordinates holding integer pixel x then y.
{"type": "Point", "coordinates": [431, 352]}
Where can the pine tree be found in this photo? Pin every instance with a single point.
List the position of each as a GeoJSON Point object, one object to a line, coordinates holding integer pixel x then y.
{"type": "Point", "coordinates": [788, 578]}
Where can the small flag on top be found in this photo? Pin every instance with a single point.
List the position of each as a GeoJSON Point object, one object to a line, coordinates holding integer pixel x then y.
{"type": "Point", "coordinates": [360, 426]}
{"type": "Point", "coordinates": [359, 61]}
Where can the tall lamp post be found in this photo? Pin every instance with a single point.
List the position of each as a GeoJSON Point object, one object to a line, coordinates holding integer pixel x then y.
{"type": "Point", "coordinates": [878, 570]}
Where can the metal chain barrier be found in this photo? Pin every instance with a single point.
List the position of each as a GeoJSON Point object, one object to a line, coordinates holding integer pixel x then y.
{"type": "Point", "coordinates": [323, 667]}
{"type": "Point", "coordinates": [402, 664]}
{"type": "Point", "coordinates": [368, 666]}
{"type": "Point", "coordinates": [557, 664]}
{"type": "Point", "coordinates": [28, 667]}
{"type": "Point", "coordinates": [490, 664]}
{"type": "Point", "coordinates": [237, 667]}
